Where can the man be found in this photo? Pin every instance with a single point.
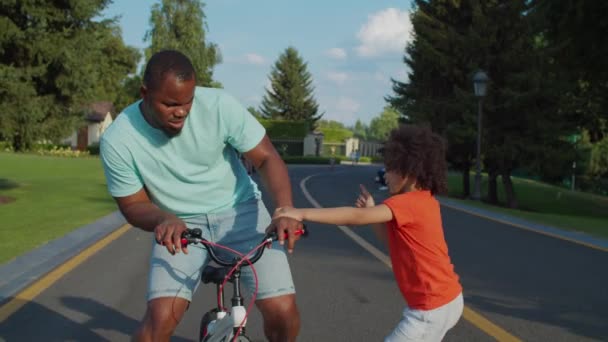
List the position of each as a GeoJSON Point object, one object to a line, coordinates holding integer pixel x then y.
{"type": "Point", "coordinates": [170, 163]}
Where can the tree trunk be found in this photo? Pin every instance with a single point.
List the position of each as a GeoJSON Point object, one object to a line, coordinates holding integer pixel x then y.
{"type": "Point", "coordinates": [492, 186]}
{"type": "Point", "coordinates": [17, 143]}
{"type": "Point", "coordinates": [466, 183]}
{"type": "Point", "coordinates": [509, 191]}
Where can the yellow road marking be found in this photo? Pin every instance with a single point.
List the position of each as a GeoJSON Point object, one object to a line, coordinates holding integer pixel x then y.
{"type": "Point", "coordinates": [582, 243]}
{"type": "Point", "coordinates": [25, 296]}
{"type": "Point", "coordinates": [473, 317]}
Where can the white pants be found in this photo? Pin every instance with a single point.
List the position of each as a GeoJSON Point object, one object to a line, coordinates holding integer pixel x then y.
{"type": "Point", "coordinates": [427, 325]}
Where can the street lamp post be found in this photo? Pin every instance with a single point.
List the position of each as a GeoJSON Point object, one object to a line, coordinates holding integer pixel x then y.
{"type": "Point", "coordinates": [480, 83]}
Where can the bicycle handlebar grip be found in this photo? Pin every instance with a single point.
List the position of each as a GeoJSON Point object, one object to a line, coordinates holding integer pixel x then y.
{"type": "Point", "coordinates": [300, 232]}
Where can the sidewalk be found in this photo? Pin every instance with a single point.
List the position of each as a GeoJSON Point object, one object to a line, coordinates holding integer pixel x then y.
{"type": "Point", "coordinates": [20, 272]}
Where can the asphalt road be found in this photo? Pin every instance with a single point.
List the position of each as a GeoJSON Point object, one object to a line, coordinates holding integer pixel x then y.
{"type": "Point", "coordinates": [536, 288]}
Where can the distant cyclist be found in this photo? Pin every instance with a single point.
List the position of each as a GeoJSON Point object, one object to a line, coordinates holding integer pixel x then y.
{"type": "Point", "coordinates": [410, 221]}
{"type": "Point", "coordinates": [170, 163]}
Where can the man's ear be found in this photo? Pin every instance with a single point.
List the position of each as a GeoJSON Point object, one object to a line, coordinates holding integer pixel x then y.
{"type": "Point", "coordinates": [143, 91]}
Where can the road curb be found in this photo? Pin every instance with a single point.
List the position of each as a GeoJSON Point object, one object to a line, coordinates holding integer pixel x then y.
{"type": "Point", "coordinates": [20, 272]}
{"type": "Point", "coordinates": [573, 236]}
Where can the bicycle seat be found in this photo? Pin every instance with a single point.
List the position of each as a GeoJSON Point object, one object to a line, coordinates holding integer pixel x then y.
{"type": "Point", "coordinates": [213, 274]}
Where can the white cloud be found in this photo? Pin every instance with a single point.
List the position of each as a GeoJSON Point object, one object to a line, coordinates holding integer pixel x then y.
{"type": "Point", "coordinates": [347, 104]}
{"type": "Point", "coordinates": [337, 77]}
{"type": "Point", "coordinates": [336, 53]}
{"type": "Point", "coordinates": [380, 76]}
{"type": "Point", "coordinates": [256, 59]}
{"type": "Point", "coordinates": [384, 32]}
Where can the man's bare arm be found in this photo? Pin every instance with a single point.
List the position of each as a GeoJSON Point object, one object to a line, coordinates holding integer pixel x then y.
{"type": "Point", "coordinates": [275, 178]}
{"type": "Point", "coordinates": [273, 171]}
{"type": "Point", "coordinates": [142, 213]}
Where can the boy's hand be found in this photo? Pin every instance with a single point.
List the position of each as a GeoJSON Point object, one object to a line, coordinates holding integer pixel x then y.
{"type": "Point", "coordinates": [288, 212]}
{"type": "Point", "coordinates": [365, 199]}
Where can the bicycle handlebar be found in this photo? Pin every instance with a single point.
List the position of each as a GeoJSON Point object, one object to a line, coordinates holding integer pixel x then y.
{"type": "Point", "coordinates": [194, 236]}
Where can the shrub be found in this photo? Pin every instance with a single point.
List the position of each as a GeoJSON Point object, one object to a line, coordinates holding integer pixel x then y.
{"type": "Point", "coordinates": [93, 149]}
{"type": "Point", "coordinates": [6, 146]}
{"type": "Point", "coordinates": [310, 160]}
{"type": "Point", "coordinates": [62, 152]}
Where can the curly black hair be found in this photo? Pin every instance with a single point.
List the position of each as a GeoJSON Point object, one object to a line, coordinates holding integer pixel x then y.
{"type": "Point", "coordinates": [416, 151]}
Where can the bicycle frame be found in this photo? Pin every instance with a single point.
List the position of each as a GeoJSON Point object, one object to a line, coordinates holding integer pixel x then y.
{"type": "Point", "coordinates": [225, 326]}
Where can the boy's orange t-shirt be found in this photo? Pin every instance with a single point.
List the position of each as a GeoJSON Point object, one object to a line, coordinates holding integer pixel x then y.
{"type": "Point", "coordinates": [419, 253]}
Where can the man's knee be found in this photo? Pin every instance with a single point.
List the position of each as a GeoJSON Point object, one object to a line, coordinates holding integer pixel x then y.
{"type": "Point", "coordinates": [281, 317]}
{"type": "Point", "coordinates": [161, 319]}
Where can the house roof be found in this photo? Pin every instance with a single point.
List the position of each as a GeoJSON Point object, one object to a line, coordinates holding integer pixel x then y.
{"type": "Point", "coordinates": [97, 111]}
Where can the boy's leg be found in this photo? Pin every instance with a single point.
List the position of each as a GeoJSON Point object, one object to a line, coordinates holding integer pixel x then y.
{"type": "Point", "coordinates": [427, 325]}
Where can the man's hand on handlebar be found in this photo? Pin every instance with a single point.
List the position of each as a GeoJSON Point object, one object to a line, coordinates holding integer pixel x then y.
{"type": "Point", "coordinates": [286, 226]}
{"type": "Point", "coordinates": [169, 233]}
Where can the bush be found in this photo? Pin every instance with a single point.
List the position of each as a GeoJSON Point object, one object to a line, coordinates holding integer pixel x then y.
{"type": "Point", "coordinates": [310, 160]}
{"type": "Point", "coordinates": [62, 152]}
{"type": "Point", "coordinates": [47, 146]}
{"type": "Point", "coordinates": [93, 149]}
{"type": "Point", "coordinates": [594, 185]}
{"type": "Point", "coordinates": [277, 129]}
{"type": "Point", "coordinates": [5, 146]}
{"type": "Point", "coordinates": [378, 159]}
{"type": "Point", "coordinates": [335, 135]}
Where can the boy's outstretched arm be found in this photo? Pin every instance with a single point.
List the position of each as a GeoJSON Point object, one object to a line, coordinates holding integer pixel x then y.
{"type": "Point", "coordinates": [340, 215]}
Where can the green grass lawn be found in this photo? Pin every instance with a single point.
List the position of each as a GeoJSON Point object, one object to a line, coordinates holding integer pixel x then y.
{"type": "Point", "coordinates": [52, 196]}
{"type": "Point", "coordinates": [546, 204]}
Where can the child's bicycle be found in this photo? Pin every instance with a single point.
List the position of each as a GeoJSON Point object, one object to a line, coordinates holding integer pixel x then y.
{"type": "Point", "coordinates": [219, 324]}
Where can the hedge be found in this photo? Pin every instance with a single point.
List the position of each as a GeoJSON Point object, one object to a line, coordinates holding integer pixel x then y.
{"type": "Point", "coordinates": [277, 129]}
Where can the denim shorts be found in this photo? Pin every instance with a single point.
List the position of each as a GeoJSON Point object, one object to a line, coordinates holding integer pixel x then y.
{"type": "Point", "coordinates": [242, 229]}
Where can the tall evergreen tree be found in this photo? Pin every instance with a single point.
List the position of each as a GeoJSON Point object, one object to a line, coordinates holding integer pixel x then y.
{"type": "Point", "coordinates": [576, 38]}
{"type": "Point", "coordinates": [440, 59]}
{"type": "Point", "coordinates": [180, 25]}
{"type": "Point", "coordinates": [452, 40]}
{"type": "Point", "coordinates": [54, 60]}
{"type": "Point", "coordinates": [291, 94]}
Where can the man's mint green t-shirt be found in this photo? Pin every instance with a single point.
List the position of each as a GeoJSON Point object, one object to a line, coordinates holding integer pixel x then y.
{"type": "Point", "coordinates": [193, 173]}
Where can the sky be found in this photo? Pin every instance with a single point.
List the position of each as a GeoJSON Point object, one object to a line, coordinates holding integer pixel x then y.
{"type": "Point", "coordinates": [353, 47]}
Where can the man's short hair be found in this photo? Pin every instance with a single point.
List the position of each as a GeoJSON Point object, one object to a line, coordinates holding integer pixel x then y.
{"type": "Point", "coordinates": [165, 63]}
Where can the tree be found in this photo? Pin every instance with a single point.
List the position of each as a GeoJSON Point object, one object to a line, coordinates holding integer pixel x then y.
{"type": "Point", "coordinates": [290, 96]}
{"type": "Point", "coordinates": [129, 91]}
{"type": "Point", "coordinates": [577, 44]}
{"type": "Point", "coordinates": [360, 130]}
{"type": "Point", "coordinates": [452, 40]}
{"type": "Point", "coordinates": [54, 60]}
{"type": "Point", "coordinates": [256, 113]}
{"type": "Point", "coordinates": [440, 60]}
{"type": "Point", "coordinates": [330, 124]}
{"type": "Point", "coordinates": [381, 126]}
{"type": "Point", "coordinates": [180, 25]}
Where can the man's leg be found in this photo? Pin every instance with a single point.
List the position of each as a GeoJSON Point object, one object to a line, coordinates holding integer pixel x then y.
{"type": "Point", "coordinates": [172, 281]}
{"type": "Point", "coordinates": [161, 319]}
{"type": "Point", "coordinates": [281, 318]}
